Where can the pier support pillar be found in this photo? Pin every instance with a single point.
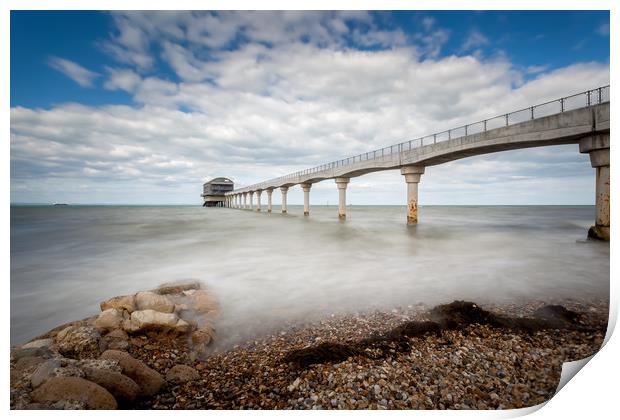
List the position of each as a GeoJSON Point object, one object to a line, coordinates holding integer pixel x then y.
{"type": "Point", "coordinates": [258, 193]}
{"type": "Point", "coordinates": [237, 201]}
{"type": "Point", "coordinates": [306, 188]}
{"type": "Point", "coordinates": [284, 190]}
{"type": "Point", "coordinates": [251, 200]}
{"type": "Point", "coordinates": [412, 177]}
{"type": "Point", "coordinates": [269, 192]}
{"type": "Point", "coordinates": [597, 146]}
{"type": "Point", "coordinates": [245, 201]}
{"type": "Point", "coordinates": [342, 197]}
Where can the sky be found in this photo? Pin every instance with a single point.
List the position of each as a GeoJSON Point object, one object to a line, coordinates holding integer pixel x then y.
{"type": "Point", "coordinates": [143, 107]}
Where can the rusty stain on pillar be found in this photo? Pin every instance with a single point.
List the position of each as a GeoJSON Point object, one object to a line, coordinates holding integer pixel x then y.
{"type": "Point", "coordinates": [412, 177]}
{"type": "Point", "coordinates": [597, 146]}
{"type": "Point", "coordinates": [306, 187]}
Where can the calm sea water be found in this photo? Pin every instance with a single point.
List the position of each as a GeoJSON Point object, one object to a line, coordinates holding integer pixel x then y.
{"type": "Point", "coordinates": [270, 268]}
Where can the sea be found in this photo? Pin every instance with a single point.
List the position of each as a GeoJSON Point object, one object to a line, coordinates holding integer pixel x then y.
{"type": "Point", "coordinates": [269, 270]}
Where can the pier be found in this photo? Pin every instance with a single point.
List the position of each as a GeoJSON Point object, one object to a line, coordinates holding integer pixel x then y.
{"type": "Point", "coordinates": [582, 119]}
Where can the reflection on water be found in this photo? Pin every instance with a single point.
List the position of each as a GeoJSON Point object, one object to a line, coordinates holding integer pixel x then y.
{"type": "Point", "coordinates": [267, 268]}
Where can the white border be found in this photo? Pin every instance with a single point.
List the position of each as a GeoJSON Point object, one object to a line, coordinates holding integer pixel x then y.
{"type": "Point", "coordinates": [592, 394]}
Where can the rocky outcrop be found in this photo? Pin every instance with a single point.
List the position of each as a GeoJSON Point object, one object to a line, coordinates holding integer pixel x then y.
{"type": "Point", "coordinates": [149, 380]}
{"type": "Point", "coordinates": [59, 389]}
{"type": "Point", "coordinates": [87, 364]}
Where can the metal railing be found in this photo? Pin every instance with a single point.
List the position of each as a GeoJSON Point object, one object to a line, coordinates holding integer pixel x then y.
{"type": "Point", "coordinates": [567, 103]}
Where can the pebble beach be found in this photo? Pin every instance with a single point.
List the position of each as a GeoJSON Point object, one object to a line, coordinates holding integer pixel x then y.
{"type": "Point", "coordinates": [401, 358]}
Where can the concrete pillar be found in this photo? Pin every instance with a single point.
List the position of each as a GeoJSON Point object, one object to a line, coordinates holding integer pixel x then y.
{"type": "Point", "coordinates": [251, 200]}
{"type": "Point", "coordinates": [284, 190]}
{"type": "Point", "coordinates": [269, 192]}
{"type": "Point", "coordinates": [245, 201]}
{"type": "Point", "coordinates": [258, 193]}
{"type": "Point", "coordinates": [412, 177]}
{"type": "Point", "coordinates": [597, 146]}
{"type": "Point", "coordinates": [342, 197]}
{"type": "Point", "coordinates": [306, 188]}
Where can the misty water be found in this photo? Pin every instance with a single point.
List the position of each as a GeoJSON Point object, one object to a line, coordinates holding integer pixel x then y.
{"type": "Point", "coordinates": [271, 269]}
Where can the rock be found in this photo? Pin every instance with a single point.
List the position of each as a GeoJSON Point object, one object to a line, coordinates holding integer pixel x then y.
{"type": "Point", "coordinates": [54, 368]}
{"type": "Point", "coordinates": [122, 387]}
{"type": "Point", "coordinates": [110, 319]}
{"type": "Point", "coordinates": [117, 334]}
{"type": "Point", "coordinates": [103, 364]}
{"type": "Point", "coordinates": [203, 302]}
{"type": "Point", "coordinates": [182, 373]}
{"type": "Point", "coordinates": [117, 345]}
{"type": "Point", "coordinates": [17, 354]}
{"type": "Point", "coordinates": [69, 405]}
{"type": "Point", "coordinates": [121, 303]}
{"type": "Point", "coordinates": [26, 363]}
{"type": "Point", "coordinates": [147, 379]}
{"type": "Point", "coordinates": [44, 372]}
{"type": "Point", "coordinates": [44, 342]}
{"type": "Point", "coordinates": [176, 288]}
{"type": "Point", "coordinates": [203, 335]}
{"type": "Point", "coordinates": [78, 342]}
{"type": "Point", "coordinates": [150, 320]}
{"type": "Point", "coordinates": [78, 389]}
{"type": "Point", "coordinates": [154, 301]}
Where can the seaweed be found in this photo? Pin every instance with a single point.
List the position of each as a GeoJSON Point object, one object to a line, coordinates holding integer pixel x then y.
{"type": "Point", "coordinates": [453, 316]}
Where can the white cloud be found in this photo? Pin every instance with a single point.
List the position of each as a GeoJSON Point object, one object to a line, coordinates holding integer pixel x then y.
{"type": "Point", "coordinates": [475, 39]}
{"type": "Point", "coordinates": [74, 71]}
{"type": "Point", "coordinates": [122, 79]}
{"type": "Point", "coordinates": [603, 29]}
{"type": "Point", "coordinates": [260, 111]}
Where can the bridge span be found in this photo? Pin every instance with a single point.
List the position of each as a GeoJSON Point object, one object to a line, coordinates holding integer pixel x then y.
{"type": "Point", "coordinates": [581, 119]}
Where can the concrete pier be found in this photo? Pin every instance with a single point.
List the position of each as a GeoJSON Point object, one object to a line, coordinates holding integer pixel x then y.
{"type": "Point", "coordinates": [251, 200]}
{"type": "Point", "coordinates": [269, 192]}
{"type": "Point", "coordinates": [412, 177]}
{"type": "Point", "coordinates": [342, 197]}
{"type": "Point", "coordinates": [583, 120]}
{"type": "Point", "coordinates": [306, 188]}
{"type": "Point", "coordinates": [597, 146]}
{"type": "Point", "coordinates": [258, 193]}
{"type": "Point", "coordinates": [284, 190]}
{"type": "Point", "coordinates": [245, 201]}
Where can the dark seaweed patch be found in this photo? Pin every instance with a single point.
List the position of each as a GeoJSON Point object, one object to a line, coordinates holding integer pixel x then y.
{"type": "Point", "coordinates": [454, 316]}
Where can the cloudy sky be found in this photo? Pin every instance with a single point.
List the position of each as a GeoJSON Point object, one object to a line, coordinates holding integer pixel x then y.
{"type": "Point", "coordinates": [130, 107]}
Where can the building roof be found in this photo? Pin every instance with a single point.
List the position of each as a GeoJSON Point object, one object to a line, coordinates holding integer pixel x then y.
{"type": "Point", "coordinates": [220, 180]}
